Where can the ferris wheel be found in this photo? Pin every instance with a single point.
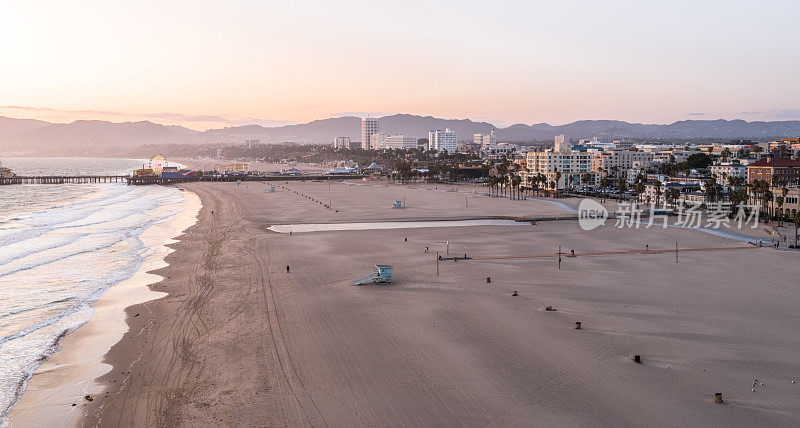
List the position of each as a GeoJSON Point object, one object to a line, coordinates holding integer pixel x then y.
{"type": "Point", "coordinates": [158, 162]}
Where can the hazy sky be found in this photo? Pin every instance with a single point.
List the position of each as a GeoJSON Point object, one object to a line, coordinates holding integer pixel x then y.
{"type": "Point", "coordinates": [211, 64]}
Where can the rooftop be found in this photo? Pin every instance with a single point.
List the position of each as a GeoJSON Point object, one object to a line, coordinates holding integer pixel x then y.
{"type": "Point", "coordinates": [777, 162]}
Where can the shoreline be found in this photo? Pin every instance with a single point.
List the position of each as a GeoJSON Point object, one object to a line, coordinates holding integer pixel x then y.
{"type": "Point", "coordinates": [74, 370]}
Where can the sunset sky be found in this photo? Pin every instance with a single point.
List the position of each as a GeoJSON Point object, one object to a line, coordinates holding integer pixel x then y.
{"type": "Point", "coordinates": [205, 64]}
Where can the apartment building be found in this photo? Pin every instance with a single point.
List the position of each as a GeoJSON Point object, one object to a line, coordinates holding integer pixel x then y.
{"type": "Point", "coordinates": [565, 168]}
{"type": "Point", "coordinates": [443, 140]}
{"type": "Point", "coordinates": [616, 163]}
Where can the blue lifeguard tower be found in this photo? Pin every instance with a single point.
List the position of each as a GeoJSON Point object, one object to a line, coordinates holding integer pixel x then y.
{"type": "Point", "coordinates": [381, 274]}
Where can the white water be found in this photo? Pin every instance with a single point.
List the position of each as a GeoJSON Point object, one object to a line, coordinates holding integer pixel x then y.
{"type": "Point", "coordinates": [61, 248]}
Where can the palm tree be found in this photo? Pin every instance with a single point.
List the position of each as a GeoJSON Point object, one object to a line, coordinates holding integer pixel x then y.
{"type": "Point", "coordinates": [639, 189]}
{"type": "Point", "coordinates": [796, 221]}
{"type": "Point", "coordinates": [766, 198]}
{"type": "Point", "coordinates": [784, 192]}
{"type": "Point", "coordinates": [502, 170]}
{"type": "Point", "coordinates": [543, 181]}
{"type": "Point", "coordinates": [711, 189]}
{"type": "Point", "coordinates": [672, 195]}
{"type": "Point", "coordinates": [558, 180]}
{"type": "Point", "coordinates": [585, 178]}
{"type": "Point", "coordinates": [779, 200]}
{"type": "Point", "coordinates": [515, 182]}
{"type": "Point", "coordinates": [534, 183]}
{"type": "Point", "coordinates": [658, 192]}
{"type": "Point", "coordinates": [726, 154]}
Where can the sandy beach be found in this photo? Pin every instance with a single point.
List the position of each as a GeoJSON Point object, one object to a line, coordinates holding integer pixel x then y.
{"type": "Point", "coordinates": [239, 341]}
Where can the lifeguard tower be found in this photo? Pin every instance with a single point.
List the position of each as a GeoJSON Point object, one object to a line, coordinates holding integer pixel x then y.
{"type": "Point", "coordinates": [381, 275]}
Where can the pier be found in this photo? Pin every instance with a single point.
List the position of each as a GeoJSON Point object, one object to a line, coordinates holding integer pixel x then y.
{"type": "Point", "coordinates": [143, 180]}
{"type": "Point", "coordinates": [63, 179]}
{"type": "Point", "coordinates": [147, 180]}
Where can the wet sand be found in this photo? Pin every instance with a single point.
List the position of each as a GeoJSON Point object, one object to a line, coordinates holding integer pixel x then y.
{"type": "Point", "coordinates": [239, 341]}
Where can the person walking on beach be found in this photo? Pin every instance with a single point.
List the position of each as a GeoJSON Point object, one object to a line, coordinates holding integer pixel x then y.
{"type": "Point", "coordinates": [287, 268]}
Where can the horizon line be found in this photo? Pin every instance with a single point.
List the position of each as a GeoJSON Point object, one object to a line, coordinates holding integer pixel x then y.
{"type": "Point", "coordinates": [166, 124]}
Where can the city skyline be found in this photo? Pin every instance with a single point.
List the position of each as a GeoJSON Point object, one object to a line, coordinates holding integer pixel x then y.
{"type": "Point", "coordinates": [211, 65]}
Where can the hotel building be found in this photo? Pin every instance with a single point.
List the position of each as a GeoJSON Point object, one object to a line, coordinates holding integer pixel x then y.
{"type": "Point", "coordinates": [443, 140]}
{"type": "Point", "coordinates": [369, 126]}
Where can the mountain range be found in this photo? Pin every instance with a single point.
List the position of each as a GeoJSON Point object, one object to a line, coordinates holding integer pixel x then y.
{"type": "Point", "coordinates": [84, 137]}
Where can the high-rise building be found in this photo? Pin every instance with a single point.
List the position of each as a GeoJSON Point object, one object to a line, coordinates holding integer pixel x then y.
{"type": "Point", "coordinates": [252, 143]}
{"type": "Point", "coordinates": [486, 140]}
{"type": "Point", "coordinates": [562, 143]}
{"type": "Point", "coordinates": [341, 143]}
{"type": "Point", "coordinates": [443, 140]}
{"type": "Point", "coordinates": [369, 126]}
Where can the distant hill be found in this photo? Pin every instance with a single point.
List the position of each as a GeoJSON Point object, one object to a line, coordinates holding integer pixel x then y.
{"type": "Point", "coordinates": [9, 127]}
{"type": "Point", "coordinates": [88, 136]}
{"type": "Point", "coordinates": [85, 137]}
{"type": "Point", "coordinates": [318, 131]}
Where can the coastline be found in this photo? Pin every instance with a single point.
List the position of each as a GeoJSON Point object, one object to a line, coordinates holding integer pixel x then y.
{"type": "Point", "coordinates": [74, 370]}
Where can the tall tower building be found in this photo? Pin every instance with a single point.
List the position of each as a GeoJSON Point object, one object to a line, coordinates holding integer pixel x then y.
{"type": "Point", "coordinates": [562, 143]}
{"type": "Point", "coordinates": [369, 126]}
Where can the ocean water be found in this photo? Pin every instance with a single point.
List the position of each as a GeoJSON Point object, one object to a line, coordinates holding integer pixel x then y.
{"type": "Point", "coordinates": [61, 247]}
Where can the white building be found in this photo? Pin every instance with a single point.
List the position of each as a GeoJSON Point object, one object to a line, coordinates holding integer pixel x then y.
{"type": "Point", "coordinates": [443, 140]}
{"type": "Point", "coordinates": [341, 143]}
{"type": "Point", "coordinates": [728, 169]}
{"type": "Point", "coordinates": [252, 143]}
{"type": "Point", "coordinates": [369, 127]}
{"type": "Point", "coordinates": [499, 149]}
{"type": "Point", "coordinates": [399, 142]}
{"type": "Point", "coordinates": [566, 168]}
{"type": "Point", "coordinates": [595, 143]}
{"type": "Point", "coordinates": [617, 162]}
{"type": "Point", "coordinates": [635, 171]}
{"type": "Point", "coordinates": [485, 140]}
{"type": "Point", "coordinates": [562, 143]}
{"type": "Point", "coordinates": [376, 141]}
